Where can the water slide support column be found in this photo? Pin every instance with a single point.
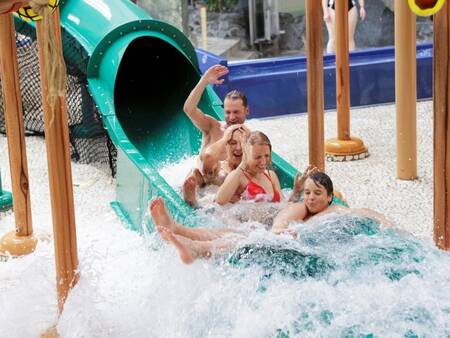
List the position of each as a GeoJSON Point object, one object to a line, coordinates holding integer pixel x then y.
{"type": "Point", "coordinates": [59, 170]}
{"type": "Point", "coordinates": [344, 147]}
{"type": "Point", "coordinates": [315, 83]}
{"type": "Point", "coordinates": [441, 127]}
{"type": "Point", "coordinates": [405, 91]}
{"type": "Point", "coordinates": [21, 241]}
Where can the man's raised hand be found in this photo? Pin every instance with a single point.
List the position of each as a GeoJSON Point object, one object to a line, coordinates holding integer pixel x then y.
{"type": "Point", "coordinates": [213, 74]}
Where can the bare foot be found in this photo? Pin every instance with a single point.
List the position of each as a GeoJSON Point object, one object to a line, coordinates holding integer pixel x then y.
{"type": "Point", "coordinates": [185, 246]}
{"type": "Point", "coordinates": [189, 190]}
{"type": "Point", "coordinates": [161, 216]}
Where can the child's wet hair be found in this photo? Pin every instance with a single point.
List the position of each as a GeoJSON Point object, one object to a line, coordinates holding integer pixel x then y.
{"type": "Point", "coordinates": [324, 180]}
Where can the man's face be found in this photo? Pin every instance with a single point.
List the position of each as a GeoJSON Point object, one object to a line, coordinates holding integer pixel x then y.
{"type": "Point", "coordinates": [235, 111]}
{"type": "Point", "coordinates": [7, 6]}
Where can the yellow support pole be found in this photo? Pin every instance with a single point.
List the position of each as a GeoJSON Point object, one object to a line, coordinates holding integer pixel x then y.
{"type": "Point", "coordinates": [405, 91]}
{"type": "Point", "coordinates": [21, 241]}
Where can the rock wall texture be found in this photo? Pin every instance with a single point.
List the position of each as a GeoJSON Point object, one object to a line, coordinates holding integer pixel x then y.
{"type": "Point", "coordinates": [377, 30]}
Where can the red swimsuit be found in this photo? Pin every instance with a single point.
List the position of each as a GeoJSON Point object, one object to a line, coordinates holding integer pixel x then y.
{"type": "Point", "coordinates": [254, 191]}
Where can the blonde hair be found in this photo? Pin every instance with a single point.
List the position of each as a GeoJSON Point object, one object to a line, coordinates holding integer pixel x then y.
{"type": "Point", "coordinates": [260, 139]}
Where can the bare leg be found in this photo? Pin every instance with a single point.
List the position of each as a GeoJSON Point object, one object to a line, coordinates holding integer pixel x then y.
{"type": "Point", "coordinates": [163, 219]}
{"type": "Point", "coordinates": [352, 21]}
{"type": "Point", "coordinates": [190, 250]}
{"type": "Point", "coordinates": [331, 45]}
{"type": "Point", "coordinates": [194, 180]}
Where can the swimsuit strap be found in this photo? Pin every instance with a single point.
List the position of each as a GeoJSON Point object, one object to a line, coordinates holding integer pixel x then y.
{"type": "Point", "coordinates": [253, 183]}
{"type": "Point", "coordinates": [276, 193]}
{"type": "Point", "coordinates": [276, 197]}
{"type": "Point", "coordinates": [270, 179]}
{"type": "Point", "coordinates": [250, 179]}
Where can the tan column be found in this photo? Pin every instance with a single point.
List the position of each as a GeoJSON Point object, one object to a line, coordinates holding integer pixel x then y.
{"type": "Point", "coordinates": [20, 241]}
{"type": "Point", "coordinates": [405, 90]}
{"type": "Point", "coordinates": [59, 171]}
{"type": "Point", "coordinates": [342, 70]}
{"type": "Point", "coordinates": [314, 51]}
{"type": "Point", "coordinates": [344, 147]}
{"type": "Point", "coordinates": [441, 123]}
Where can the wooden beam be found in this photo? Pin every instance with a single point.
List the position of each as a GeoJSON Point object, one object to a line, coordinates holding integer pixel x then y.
{"type": "Point", "coordinates": [315, 94]}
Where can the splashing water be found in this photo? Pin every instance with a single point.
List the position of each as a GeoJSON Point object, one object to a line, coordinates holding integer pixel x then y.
{"type": "Point", "coordinates": [345, 276]}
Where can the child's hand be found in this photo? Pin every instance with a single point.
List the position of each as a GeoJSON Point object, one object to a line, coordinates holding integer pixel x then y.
{"type": "Point", "coordinates": [299, 180]}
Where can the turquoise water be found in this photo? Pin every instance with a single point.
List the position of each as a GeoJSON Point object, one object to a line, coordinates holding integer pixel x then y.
{"type": "Point", "coordinates": [344, 277]}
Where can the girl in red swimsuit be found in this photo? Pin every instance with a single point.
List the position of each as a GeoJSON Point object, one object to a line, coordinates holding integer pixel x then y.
{"type": "Point", "coordinates": [252, 180]}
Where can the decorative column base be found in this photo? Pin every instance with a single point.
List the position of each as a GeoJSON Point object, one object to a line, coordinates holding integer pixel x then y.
{"type": "Point", "coordinates": [345, 150]}
{"type": "Point", "coordinates": [15, 246]}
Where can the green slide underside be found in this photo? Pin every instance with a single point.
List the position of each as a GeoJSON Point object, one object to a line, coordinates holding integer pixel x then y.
{"type": "Point", "coordinates": [140, 71]}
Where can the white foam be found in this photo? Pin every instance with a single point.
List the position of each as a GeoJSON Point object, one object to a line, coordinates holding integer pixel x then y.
{"type": "Point", "coordinates": [129, 289]}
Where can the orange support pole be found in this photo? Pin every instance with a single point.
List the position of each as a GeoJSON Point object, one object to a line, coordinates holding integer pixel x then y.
{"type": "Point", "coordinates": [21, 241]}
{"type": "Point", "coordinates": [315, 83]}
{"type": "Point", "coordinates": [344, 147]}
{"type": "Point", "coordinates": [405, 91]}
{"type": "Point", "coordinates": [441, 122]}
{"type": "Point", "coordinates": [342, 70]}
{"type": "Point", "coordinates": [59, 170]}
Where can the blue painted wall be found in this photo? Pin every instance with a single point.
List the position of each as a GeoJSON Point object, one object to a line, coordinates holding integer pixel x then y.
{"type": "Point", "coordinates": [277, 86]}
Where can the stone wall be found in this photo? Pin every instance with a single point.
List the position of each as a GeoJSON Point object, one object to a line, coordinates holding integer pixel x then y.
{"type": "Point", "coordinates": [376, 31]}
{"type": "Point", "coordinates": [228, 25]}
{"type": "Point", "coordinates": [171, 11]}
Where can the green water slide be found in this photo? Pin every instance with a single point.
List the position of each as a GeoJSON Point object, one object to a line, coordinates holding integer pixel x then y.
{"type": "Point", "coordinates": [5, 198]}
{"type": "Point", "coordinates": [140, 71]}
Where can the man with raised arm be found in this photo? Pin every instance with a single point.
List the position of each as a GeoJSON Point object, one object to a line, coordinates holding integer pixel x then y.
{"type": "Point", "coordinates": [214, 138]}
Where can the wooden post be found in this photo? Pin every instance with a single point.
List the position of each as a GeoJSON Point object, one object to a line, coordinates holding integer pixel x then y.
{"type": "Point", "coordinates": [59, 173]}
{"type": "Point", "coordinates": [441, 122]}
{"type": "Point", "coordinates": [405, 90]}
{"type": "Point", "coordinates": [342, 70]}
{"type": "Point", "coordinates": [21, 241]}
{"type": "Point", "coordinates": [315, 83]}
{"type": "Point", "coordinates": [345, 147]}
